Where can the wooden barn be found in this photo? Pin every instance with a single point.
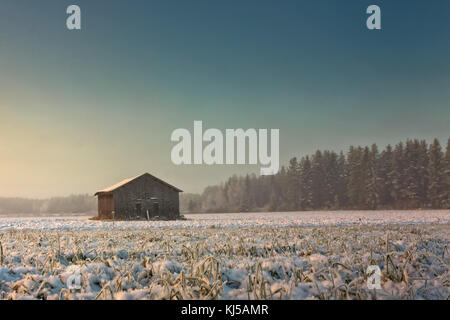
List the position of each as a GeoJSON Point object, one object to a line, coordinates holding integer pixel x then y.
{"type": "Point", "coordinates": [140, 198]}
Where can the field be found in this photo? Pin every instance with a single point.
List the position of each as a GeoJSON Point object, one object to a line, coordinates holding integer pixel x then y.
{"type": "Point", "coordinates": [312, 255]}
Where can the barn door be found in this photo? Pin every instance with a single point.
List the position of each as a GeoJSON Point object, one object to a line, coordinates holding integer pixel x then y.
{"type": "Point", "coordinates": [155, 209]}
{"type": "Point", "coordinates": [138, 210]}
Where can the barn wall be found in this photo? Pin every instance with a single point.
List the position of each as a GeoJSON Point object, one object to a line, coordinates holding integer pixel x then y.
{"type": "Point", "coordinates": [105, 206]}
{"type": "Point", "coordinates": [140, 192]}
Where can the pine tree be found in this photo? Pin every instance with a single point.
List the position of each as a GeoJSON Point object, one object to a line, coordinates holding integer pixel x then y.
{"type": "Point", "coordinates": [282, 183]}
{"type": "Point", "coordinates": [370, 163]}
{"type": "Point", "coordinates": [355, 177]}
{"type": "Point", "coordinates": [305, 184]}
{"type": "Point", "coordinates": [277, 191]}
{"type": "Point", "coordinates": [247, 202]}
{"type": "Point", "coordinates": [436, 188]}
{"type": "Point", "coordinates": [447, 176]}
{"type": "Point", "coordinates": [342, 182]}
{"type": "Point", "coordinates": [293, 187]}
{"type": "Point", "coordinates": [422, 164]}
{"type": "Point", "coordinates": [385, 174]}
{"type": "Point", "coordinates": [398, 177]}
{"type": "Point", "coordinates": [318, 181]}
{"type": "Point", "coordinates": [331, 174]}
{"type": "Point", "coordinates": [412, 178]}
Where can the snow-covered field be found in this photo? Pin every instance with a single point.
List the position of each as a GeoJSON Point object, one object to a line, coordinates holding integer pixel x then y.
{"type": "Point", "coordinates": [235, 220]}
{"type": "Point", "coordinates": [313, 255]}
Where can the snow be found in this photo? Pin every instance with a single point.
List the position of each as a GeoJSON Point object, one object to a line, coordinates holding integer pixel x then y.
{"type": "Point", "coordinates": [308, 255]}
{"type": "Point", "coordinates": [236, 220]}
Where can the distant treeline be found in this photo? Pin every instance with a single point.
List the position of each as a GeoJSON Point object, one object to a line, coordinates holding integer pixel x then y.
{"type": "Point", "coordinates": [411, 175]}
{"type": "Point", "coordinates": [72, 204]}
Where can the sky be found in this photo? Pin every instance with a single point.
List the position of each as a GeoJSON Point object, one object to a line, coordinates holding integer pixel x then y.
{"type": "Point", "coordinates": [81, 110]}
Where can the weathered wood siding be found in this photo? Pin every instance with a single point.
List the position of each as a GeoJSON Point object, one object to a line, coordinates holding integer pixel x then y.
{"type": "Point", "coordinates": [105, 206]}
{"type": "Point", "coordinates": [132, 200]}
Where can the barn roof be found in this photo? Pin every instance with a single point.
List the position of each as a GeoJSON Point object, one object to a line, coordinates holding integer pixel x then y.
{"type": "Point", "coordinates": [124, 182]}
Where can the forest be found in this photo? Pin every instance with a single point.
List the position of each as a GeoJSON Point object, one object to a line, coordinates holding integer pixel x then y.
{"type": "Point", "coordinates": [410, 175]}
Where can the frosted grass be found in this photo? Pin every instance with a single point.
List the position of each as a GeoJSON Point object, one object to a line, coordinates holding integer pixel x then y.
{"type": "Point", "coordinates": [236, 220]}
{"type": "Point", "coordinates": [321, 262]}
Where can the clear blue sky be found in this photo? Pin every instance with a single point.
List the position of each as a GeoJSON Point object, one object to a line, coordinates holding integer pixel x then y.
{"type": "Point", "coordinates": [80, 110]}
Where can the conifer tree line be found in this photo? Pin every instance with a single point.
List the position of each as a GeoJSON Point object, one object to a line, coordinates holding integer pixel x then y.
{"type": "Point", "coordinates": [410, 175]}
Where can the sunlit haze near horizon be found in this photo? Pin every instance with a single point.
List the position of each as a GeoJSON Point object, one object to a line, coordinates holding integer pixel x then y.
{"type": "Point", "coordinates": [82, 110]}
